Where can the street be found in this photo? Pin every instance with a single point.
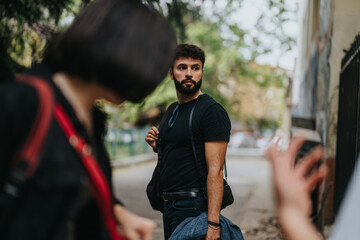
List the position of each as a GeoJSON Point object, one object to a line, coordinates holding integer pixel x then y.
{"type": "Point", "coordinates": [249, 178]}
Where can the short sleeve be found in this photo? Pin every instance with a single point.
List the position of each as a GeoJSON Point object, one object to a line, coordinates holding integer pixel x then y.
{"type": "Point", "coordinates": [215, 124]}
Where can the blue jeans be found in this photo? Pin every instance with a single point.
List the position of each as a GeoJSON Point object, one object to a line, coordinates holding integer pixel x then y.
{"type": "Point", "coordinates": [176, 211]}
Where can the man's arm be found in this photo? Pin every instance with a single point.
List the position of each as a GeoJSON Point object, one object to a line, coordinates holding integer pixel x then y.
{"type": "Point", "coordinates": [215, 156]}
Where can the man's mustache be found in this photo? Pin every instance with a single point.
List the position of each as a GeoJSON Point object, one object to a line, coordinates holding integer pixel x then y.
{"type": "Point", "coordinates": [187, 80]}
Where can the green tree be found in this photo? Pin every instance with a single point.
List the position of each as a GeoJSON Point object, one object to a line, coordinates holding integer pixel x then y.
{"type": "Point", "coordinates": [238, 84]}
{"type": "Point", "coordinates": [24, 28]}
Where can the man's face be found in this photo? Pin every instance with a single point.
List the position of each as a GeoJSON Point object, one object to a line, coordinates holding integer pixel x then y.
{"type": "Point", "coordinates": [187, 75]}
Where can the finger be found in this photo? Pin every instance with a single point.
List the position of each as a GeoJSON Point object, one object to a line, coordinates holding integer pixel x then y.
{"type": "Point", "coordinates": [155, 130]}
{"type": "Point", "coordinates": [150, 138]}
{"type": "Point", "coordinates": [296, 143]}
{"type": "Point", "coordinates": [294, 146]}
{"type": "Point", "coordinates": [148, 235]}
{"type": "Point", "coordinates": [271, 153]}
{"type": "Point", "coordinates": [307, 162]}
{"type": "Point", "coordinates": [151, 133]}
{"type": "Point", "coordinates": [272, 150]}
{"type": "Point", "coordinates": [316, 178]}
{"type": "Point", "coordinates": [275, 140]}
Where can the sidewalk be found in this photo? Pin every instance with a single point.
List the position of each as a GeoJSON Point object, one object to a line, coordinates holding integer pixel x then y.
{"type": "Point", "coordinates": [248, 176]}
{"type": "Point", "coordinates": [254, 210]}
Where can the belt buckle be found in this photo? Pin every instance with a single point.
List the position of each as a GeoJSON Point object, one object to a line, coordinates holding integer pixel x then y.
{"type": "Point", "coordinates": [163, 198]}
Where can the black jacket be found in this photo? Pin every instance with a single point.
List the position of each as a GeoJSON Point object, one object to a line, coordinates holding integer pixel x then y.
{"type": "Point", "coordinates": [57, 200]}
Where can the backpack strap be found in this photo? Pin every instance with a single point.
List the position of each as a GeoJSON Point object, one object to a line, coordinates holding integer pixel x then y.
{"type": "Point", "coordinates": [196, 162]}
{"type": "Point", "coordinates": [33, 145]}
{"type": "Point", "coordinates": [202, 187]}
{"type": "Point", "coordinates": [25, 162]}
{"type": "Point", "coordinates": [99, 186]}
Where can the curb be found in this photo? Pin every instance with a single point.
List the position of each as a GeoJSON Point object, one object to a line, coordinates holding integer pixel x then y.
{"type": "Point", "coordinates": [134, 160]}
{"type": "Point", "coordinates": [151, 156]}
{"type": "Point", "coordinates": [250, 152]}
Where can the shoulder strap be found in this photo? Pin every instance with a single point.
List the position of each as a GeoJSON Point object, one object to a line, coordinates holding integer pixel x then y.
{"type": "Point", "coordinates": [99, 186]}
{"type": "Point", "coordinates": [194, 149]}
{"type": "Point", "coordinates": [26, 161]}
{"type": "Point", "coordinates": [32, 147]}
{"type": "Point", "coordinates": [202, 187]}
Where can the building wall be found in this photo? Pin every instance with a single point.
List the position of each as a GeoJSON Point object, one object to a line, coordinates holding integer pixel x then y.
{"type": "Point", "coordinates": [345, 25]}
{"type": "Point", "coordinates": [328, 28]}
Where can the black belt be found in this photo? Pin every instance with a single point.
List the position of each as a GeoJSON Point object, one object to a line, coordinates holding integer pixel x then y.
{"type": "Point", "coordinates": [181, 194]}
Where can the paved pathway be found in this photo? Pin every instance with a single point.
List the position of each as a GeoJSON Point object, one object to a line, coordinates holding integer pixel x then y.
{"type": "Point", "coordinates": [249, 178]}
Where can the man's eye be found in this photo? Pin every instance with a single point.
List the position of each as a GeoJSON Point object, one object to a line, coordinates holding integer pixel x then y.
{"type": "Point", "coordinates": [196, 68]}
{"type": "Point", "coordinates": [182, 68]}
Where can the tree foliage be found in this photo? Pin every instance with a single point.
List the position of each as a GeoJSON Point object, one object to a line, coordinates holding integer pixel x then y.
{"type": "Point", "coordinates": [229, 77]}
{"type": "Point", "coordinates": [271, 24]}
{"type": "Point", "coordinates": [24, 28]}
{"type": "Point", "coordinates": [250, 92]}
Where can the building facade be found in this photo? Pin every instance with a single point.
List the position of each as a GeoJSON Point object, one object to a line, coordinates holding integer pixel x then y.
{"type": "Point", "coordinates": [328, 28]}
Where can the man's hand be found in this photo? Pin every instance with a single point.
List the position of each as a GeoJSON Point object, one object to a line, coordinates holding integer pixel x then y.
{"type": "Point", "coordinates": [152, 136]}
{"type": "Point", "coordinates": [133, 227]}
{"type": "Point", "coordinates": [212, 234]}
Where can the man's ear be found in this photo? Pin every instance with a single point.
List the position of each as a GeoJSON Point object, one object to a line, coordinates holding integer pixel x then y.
{"type": "Point", "coordinates": [171, 74]}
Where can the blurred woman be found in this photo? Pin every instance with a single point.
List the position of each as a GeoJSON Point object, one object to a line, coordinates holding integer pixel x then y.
{"type": "Point", "coordinates": [116, 50]}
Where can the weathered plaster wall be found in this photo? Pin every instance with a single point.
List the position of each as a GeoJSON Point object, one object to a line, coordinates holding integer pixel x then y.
{"type": "Point", "coordinates": [318, 70]}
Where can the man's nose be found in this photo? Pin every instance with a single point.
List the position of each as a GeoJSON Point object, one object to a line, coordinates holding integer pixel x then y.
{"type": "Point", "coordinates": [188, 73]}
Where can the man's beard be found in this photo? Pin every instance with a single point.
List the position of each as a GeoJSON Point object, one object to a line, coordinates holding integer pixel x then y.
{"type": "Point", "coordinates": [187, 90]}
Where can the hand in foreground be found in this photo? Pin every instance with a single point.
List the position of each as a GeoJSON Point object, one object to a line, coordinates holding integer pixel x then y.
{"type": "Point", "coordinates": [293, 183]}
{"type": "Point", "coordinates": [152, 136]}
{"type": "Point", "coordinates": [133, 227]}
{"type": "Point", "coordinates": [212, 234]}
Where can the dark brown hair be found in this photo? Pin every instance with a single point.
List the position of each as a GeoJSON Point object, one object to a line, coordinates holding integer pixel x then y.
{"type": "Point", "coordinates": [189, 51]}
{"type": "Point", "coordinates": [120, 44]}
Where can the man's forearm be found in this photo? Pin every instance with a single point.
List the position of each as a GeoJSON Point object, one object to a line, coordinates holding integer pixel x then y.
{"type": "Point", "coordinates": [214, 193]}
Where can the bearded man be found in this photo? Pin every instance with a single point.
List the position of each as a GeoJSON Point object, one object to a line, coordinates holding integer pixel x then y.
{"type": "Point", "coordinates": [179, 180]}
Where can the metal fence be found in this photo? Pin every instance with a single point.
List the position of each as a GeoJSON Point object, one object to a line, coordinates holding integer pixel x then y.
{"type": "Point", "coordinates": [348, 121]}
{"type": "Point", "coordinates": [123, 143]}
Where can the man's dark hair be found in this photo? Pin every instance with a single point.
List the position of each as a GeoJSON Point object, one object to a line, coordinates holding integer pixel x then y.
{"type": "Point", "coordinates": [119, 44]}
{"type": "Point", "coordinates": [189, 51]}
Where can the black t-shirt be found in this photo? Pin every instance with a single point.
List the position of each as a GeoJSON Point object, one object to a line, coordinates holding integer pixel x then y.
{"type": "Point", "coordinates": [210, 123]}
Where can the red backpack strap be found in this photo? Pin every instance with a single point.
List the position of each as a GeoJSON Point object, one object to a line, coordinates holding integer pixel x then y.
{"type": "Point", "coordinates": [99, 186]}
{"type": "Point", "coordinates": [33, 144]}
{"type": "Point", "coordinates": [26, 160]}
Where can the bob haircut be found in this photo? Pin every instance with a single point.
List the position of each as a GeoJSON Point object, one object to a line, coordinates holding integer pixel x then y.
{"type": "Point", "coordinates": [120, 44]}
{"type": "Point", "coordinates": [185, 50]}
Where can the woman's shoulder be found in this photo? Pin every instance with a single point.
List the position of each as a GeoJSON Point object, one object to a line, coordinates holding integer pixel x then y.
{"type": "Point", "coordinates": [18, 98]}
